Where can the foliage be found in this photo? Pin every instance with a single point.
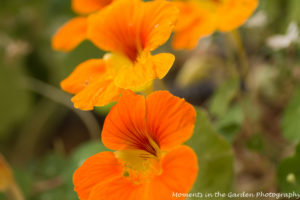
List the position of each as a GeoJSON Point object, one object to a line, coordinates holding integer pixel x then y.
{"type": "Point", "coordinates": [215, 157]}
{"type": "Point", "coordinates": [57, 171]}
{"type": "Point", "coordinates": [291, 119]}
{"type": "Point", "coordinates": [15, 99]}
{"type": "Point", "coordinates": [223, 97]}
{"type": "Point", "coordinates": [289, 173]}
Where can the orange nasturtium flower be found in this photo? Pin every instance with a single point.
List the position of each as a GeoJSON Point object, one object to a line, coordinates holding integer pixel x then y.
{"type": "Point", "coordinates": [149, 162]}
{"type": "Point", "coordinates": [75, 31]}
{"type": "Point", "coordinates": [129, 30]}
{"type": "Point", "coordinates": [6, 175]}
{"type": "Point", "coordinates": [199, 18]}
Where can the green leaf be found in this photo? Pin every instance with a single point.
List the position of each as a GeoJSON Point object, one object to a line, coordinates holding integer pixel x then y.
{"type": "Point", "coordinates": [215, 158]}
{"type": "Point", "coordinates": [230, 123]}
{"type": "Point", "coordinates": [223, 97]}
{"type": "Point", "coordinates": [104, 110]}
{"type": "Point", "coordinates": [256, 143]}
{"type": "Point", "coordinates": [65, 170]}
{"type": "Point", "coordinates": [87, 150]}
{"type": "Point", "coordinates": [55, 193]}
{"type": "Point", "coordinates": [24, 180]}
{"type": "Point", "coordinates": [293, 11]}
{"type": "Point", "coordinates": [51, 165]}
{"type": "Point", "coordinates": [290, 123]}
{"type": "Point", "coordinates": [15, 99]}
{"type": "Point", "coordinates": [288, 173]}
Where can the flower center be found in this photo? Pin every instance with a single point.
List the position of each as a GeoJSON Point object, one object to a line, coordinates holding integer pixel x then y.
{"type": "Point", "coordinates": [140, 165]}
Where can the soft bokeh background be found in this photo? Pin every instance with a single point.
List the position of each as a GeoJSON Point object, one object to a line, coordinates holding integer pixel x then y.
{"type": "Point", "coordinates": [246, 83]}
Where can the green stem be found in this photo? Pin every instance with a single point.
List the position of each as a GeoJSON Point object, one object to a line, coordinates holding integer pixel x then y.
{"type": "Point", "coordinates": [60, 97]}
{"type": "Point", "coordinates": [241, 53]}
{"type": "Point", "coordinates": [41, 118]}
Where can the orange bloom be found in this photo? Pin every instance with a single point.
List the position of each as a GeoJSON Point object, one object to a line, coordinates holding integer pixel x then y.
{"type": "Point", "coordinates": [130, 30]}
{"type": "Point", "coordinates": [91, 83]}
{"type": "Point", "coordinates": [75, 31]}
{"type": "Point", "coordinates": [6, 175]}
{"type": "Point", "coordinates": [149, 161]}
{"type": "Point", "coordinates": [199, 18]}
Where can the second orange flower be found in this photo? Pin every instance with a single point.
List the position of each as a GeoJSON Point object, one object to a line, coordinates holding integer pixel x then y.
{"type": "Point", "coordinates": [129, 30]}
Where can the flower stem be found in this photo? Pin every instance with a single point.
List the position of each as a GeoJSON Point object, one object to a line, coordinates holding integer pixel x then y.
{"type": "Point", "coordinates": [241, 53]}
{"type": "Point", "coordinates": [13, 192]}
{"type": "Point", "coordinates": [58, 96]}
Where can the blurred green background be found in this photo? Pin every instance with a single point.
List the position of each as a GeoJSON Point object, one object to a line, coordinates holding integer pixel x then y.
{"type": "Point", "coordinates": [246, 83]}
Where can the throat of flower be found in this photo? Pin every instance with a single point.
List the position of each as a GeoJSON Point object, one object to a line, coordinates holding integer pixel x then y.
{"type": "Point", "coordinates": [140, 165]}
{"type": "Point", "coordinates": [116, 61]}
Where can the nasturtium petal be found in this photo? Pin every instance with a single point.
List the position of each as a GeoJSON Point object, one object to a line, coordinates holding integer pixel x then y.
{"type": "Point", "coordinates": [124, 126]}
{"type": "Point", "coordinates": [70, 34]}
{"type": "Point", "coordinates": [96, 169]}
{"type": "Point", "coordinates": [197, 19]}
{"type": "Point", "coordinates": [170, 120]}
{"type": "Point", "coordinates": [112, 32]}
{"type": "Point", "coordinates": [146, 69]}
{"type": "Point", "coordinates": [162, 63]}
{"type": "Point", "coordinates": [84, 74]}
{"type": "Point", "coordinates": [142, 26]}
{"type": "Point", "coordinates": [89, 6]}
{"type": "Point", "coordinates": [233, 13]}
{"type": "Point", "coordinates": [133, 123]}
{"type": "Point", "coordinates": [158, 23]}
{"type": "Point", "coordinates": [179, 172]}
{"type": "Point", "coordinates": [98, 93]}
{"type": "Point", "coordinates": [119, 188]}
